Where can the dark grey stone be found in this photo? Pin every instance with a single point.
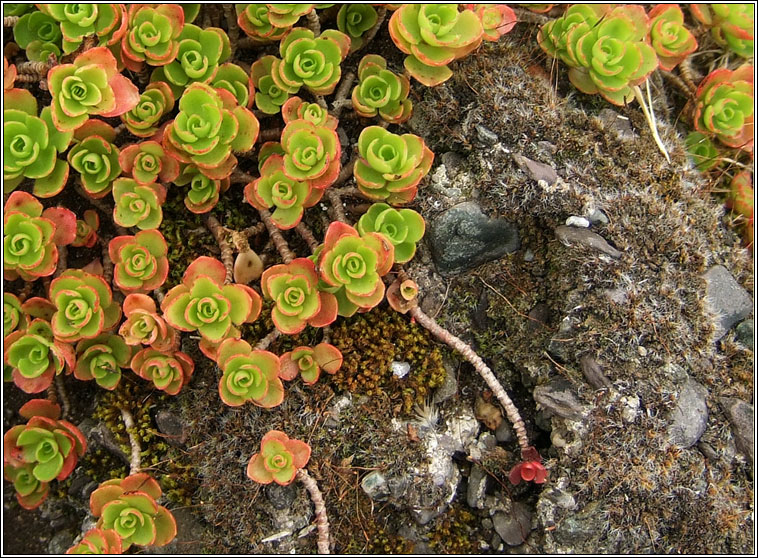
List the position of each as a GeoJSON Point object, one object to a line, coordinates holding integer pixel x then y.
{"type": "Point", "coordinates": [485, 135]}
{"type": "Point", "coordinates": [172, 426]}
{"type": "Point", "coordinates": [689, 417]}
{"type": "Point", "coordinates": [594, 373]}
{"type": "Point", "coordinates": [745, 331]}
{"type": "Point", "coordinates": [585, 237]}
{"type": "Point", "coordinates": [477, 487]}
{"type": "Point", "coordinates": [504, 432]}
{"type": "Point", "coordinates": [281, 497]}
{"type": "Point", "coordinates": [536, 170]}
{"type": "Point", "coordinates": [619, 124]}
{"type": "Point", "coordinates": [742, 418]}
{"type": "Point", "coordinates": [598, 217]}
{"type": "Point", "coordinates": [375, 486]}
{"type": "Point", "coordinates": [539, 317]}
{"type": "Point", "coordinates": [513, 527]}
{"type": "Point", "coordinates": [560, 343]}
{"type": "Point", "coordinates": [560, 398]}
{"type": "Point", "coordinates": [463, 238]}
{"type": "Point", "coordinates": [726, 298]}
{"type": "Point", "coordinates": [61, 542]}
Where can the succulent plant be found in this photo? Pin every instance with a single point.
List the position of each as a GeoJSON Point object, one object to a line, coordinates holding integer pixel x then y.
{"type": "Point", "coordinates": [732, 25]}
{"type": "Point", "coordinates": [309, 362]}
{"type": "Point", "coordinates": [391, 166]}
{"type": "Point", "coordinates": [152, 36]}
{"type": "Point", "coordinates": [168, 370]}
{"type": "Point", "coordinates": [84, 306]}
{"type": "Point", "coordinates": [248, 375]}
{"type": "Point", "coordinates": [612, 55]}
{"type": "Point", "coordinates": [254, 20]}
{"type": "Point", "coordinates": [86, 229]}
{"type": "Point", "coordinates": [274, 189]}
{"type": "Point", "coordinates": [101, 359]}
{"type": "Point", "coordinates": [310, 62]}
{"type": "Point", "coordinates": [206, 130]}
{"type": "Point", "coordinates": [197, 61]}
{"type": "Point", "coordinates": [402, 295]}
{"type": "Point", "coordinates": [95, 157]}
{"type": "Point", "coordinates": [147, 162]}
{"type": "Point", "coordinates": [204, 192]}
{"type": "Point", "coordinates": [269, 97]}
{"type": "Point", "coordinates": [128, 507]}
{"type": "Point", "coordinates": [31, 145]}
{"type": "Point", "coordinates": [671, 40]}
{"type": "Point", "coordinates": [279, 459]}
{"type": "Point", "coordinates": [351, 267]}
{"type": "Point", "coordinates": [16, 9]}
{"type": "Point", "coordinates": [298, 302]}
{"type": "Point", "coordinates": [497, 19]}
{"type": "Point", "coordinates": [36, 357]}
{"type": "Point", "coordinates": [403, 228]}
{"type": "Point", "coordinates": [140, 262]}
{"type": "Point", "coordinates": [156, 101]}
{"type": "Point", "coordinates": [98, 541]}
{"type": "Point", "coordinates": [138, 205]}
{"type": "Point", "coordinates": [297, 109]}
{"type": "Point", "coordinates": [13, 315]}
{"type": "Point", "coordinates": [31, 236]}
{"type": "Point", "coordinates": [51, 446]}
{"type": "Point", "coordinates": [287, 15]}
{"type": "Point", "coordinates": [433, 35]}
{"type": "Point", "coordinates": [30, 492]}
{"type": "Point", "coordinates": [558, 36]}
{"type": "Point", "coordinates": [311, 153]}
{"type": "Point", "coordinates": [92, 85]}
{"type": "Point", "coordinates": [724, 106]}
{"type": "Point", "coordinates": [530, 469]}
{"type": "Point", "coordinates": [203, 303]}
{"type": "Point", "coordinates": [701, 150]}
{"type": "Point", "coordinates": [741, 200]}
{"type": "Point", "coordinates": [81, 20]}
{"type": "Point", "coordinates": [236, 81]}
{"type": "Point", "coordinates": [39, 34]}
{"type": "Point", "coordinates": [355, 20]}
{"type": "Point", "coordinates": [381, 91]}
{"type": "Point", "coordinates": [9, 77]}
{"type": "Point", "coordinates": [143, 325]}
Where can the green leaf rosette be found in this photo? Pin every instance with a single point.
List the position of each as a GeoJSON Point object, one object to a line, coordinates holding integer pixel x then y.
{"type": "Point", "coordinates": [701, 150]}
{"type": "Point", "coordinates": [140, 262]}
{"type": "Point", "coordinates": [156, 101]}
{"type": "Point", "coordinates": [168, 370]}
{"type": "Point", "coordinates": [98, 541]}
{"type": "Point", "coordinates": [153, 35]}
{"type": "Point", "coordinates": [147, 162]}
{"type": "Point", "coordinates": [355, 20]}
{"type": "Point", "coordinates": [138, 205]}
{"type": "Point", "coordinates": [248, 375]}
{"type": "Point", "coordinates": [30, 492]}
{"type": "Point", "coordinates": [724, 106]}
{"type": "Point", "coordinates": [101, 359]}
{"type": "Point", "coordinates": [204, 192]}
{"type": "Point", "coordinates": [311, 153]}
{"type": "Point", "coordinates": [81, 20]}
{"type": "Point", "coordinates": [269, 97]}
{"type": "Point", "coordinates": [308, 362]}
{"type": "Point", "coordinates": [254, 20]}
{"type": "Point", "coordinates": [671, 40]}
{"type": "Point", "coordinates": [403, 228]}
{"type": "Point", "coordinates": [236, 81]}
{"type": "Point", "coordinates": [732, 25]}
{"type": "Point", "coordinates": [381, 91]}
{"type": "Point", "coordinates": [35, 357]}
{"type": "Point", "coordinates": [96, 161]}
{"type": "Point", "coordinates": [39, 35]}
{"type": "Point", "coordinates": [279, 459]}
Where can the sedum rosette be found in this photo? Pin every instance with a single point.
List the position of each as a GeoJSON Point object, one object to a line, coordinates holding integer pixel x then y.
{"type": "Point", "coordinates": [279, 459]}
{"type": "Point", "coordinates": [143, 325]}
{"type": "Point", "coordinates": [168, 370]}
{"type": "Point", "coordinates": [148, 162]}
{"type": "Point", "coordinates": [39, 34]}
{"type": "Point", "coordinates": [31, 145]}
{"type": "Point", "coordinates": [138, 205]}
{"type": "Point", "coordinates": [204, 192]}
{"type": "Point", "coordinates": [95, 157]}
{"type": "Point", "coordinates": [248, 375]}
{"type": "Point", "coordinates": [84, 306]}
{"type": "Point", "coordinates": [98, 541]}
{"type": "Point", "coordinates": [31, 236]}
{"type": "Point", "coordinates": [208, 127]}
{"type": "Point", "coordinates": [311, 153]}
{"type": "Point", "coordinates": [92, 85]}
{"type": "Point", "coordinates": [156, 101]}
{"type": "Point", "coordinates": [78, 21]}
{"type": "Point", "coordinates": [309, 362]}
{"type": "Point", "coordinates": [671, 40]}
{"type": "Point", "coordinates": [36, 357]}
{"type": "Point", "coordinates": [203, 303]}
{"type": "Point", "coordinates": [724, 106]}
{"type": "Point", "coordinates": [14, 317]}
{"type": "Point", "coordinates": [152, 35]}
{"type": "Point", "coordinates": [701, 150]}
{"type": "Point", "coordinates": [732, 25]}
{"type": "Point", "coordinates": [140, 261]}
{"type": "Point", "coordinates": [381, 91]}
{"type": "Point", "coordinates": [236, 81]}
{"type": "Point", "coordinates": [433, 35]}
{"type": "Point", "coordinates": [351, 267]}
{"type": "Point", "coordinates": [355, 20]}
{"type": "Point", "coordinates": [101, 359]}
{"type": "Point", "coordinates": [298, 302]}
{"type": "Point", "coordinates": [128, 506]}
{"type": "Point", "coordinates": [86, 229]}
{"type": "Point", "coordinates": [255, 21]}
{"type": "Point", "coordinates": [297, 109]}
{"type": "Point", "coordinates": [391, 166]}
{"type": "Point", "coordinates": [403, 228]}
{"type": "Point", "coordinates": [269, 97]}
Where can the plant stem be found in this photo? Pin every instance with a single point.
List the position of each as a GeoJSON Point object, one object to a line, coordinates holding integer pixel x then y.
{"type": "Point", "coordinates": [344, 90]}
{"type": "Point", "coordinates": [345, 173]}
{"type": "Point", "coordinates": [62, 258]}
{"type": "Point", "coordinates": [307, 235]}
{"type": "Point", "coordinates": [276, 236]}
{"type": "Point", "coordinates": [322, 521]}
{"type": "Point", "coordinates": [62, 396]}
{"type": "Point", "coordinates": [227, 257]}
{"type": "Point", "coordinates": [10, 21]}
{"type": "Point", "coordinates": [313, 22]}
{"type": "Point", "coordinates": [134, 461]}
{"type": "Point", "coordinates": [336, 201]}
{"type": "Point", "coordinates": [264, 343]}
{"type": "Point", "coordinates": [381, 14]}
{"type": "Point", "coordinates": [650, 117]}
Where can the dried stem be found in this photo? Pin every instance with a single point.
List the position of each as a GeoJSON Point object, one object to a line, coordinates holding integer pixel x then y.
{"type": "Point", "coordinates": [52, 393]}
{"type": "Point", "coordinates": [107, 263]}
{"type": "Point", "coordinates": [39, 69]}
{"type": "Point", "coordinates": [345, 174]}
{"type": "Point", "coordinates": [270, 134]}
{"type": "Point", "coordinates": [307, 235]}
{"type": "Point", "coordinates": [484, 371]}
{"type": "Point", "coordinates": [381, 14]}
{"type": "Point", "coordinates": [26, 290]}
{"type": "Point", "coordinates": [687, 73]}
{"type": "Point", "coordinates": [232, 27]}
{"type": "Point", "coordinates": [10, 21]}
{"type": "Point", "coordinates": [62, 396]}
{"type": "Point", "coordinates": [350, 191]}
{"type": "Point", "coordinates": [313, 22]}
{"type": "Point", "coordinates": [227, 257]}
{"type": "Point", "coordinates": [276, 236]}
{"type": "Point", "coordinates": [336, 201]}
{"type": "Point", "coordinates": [264, 343]}
{"type": "Point", "coordinates": [241, 176]}
{"type": "Point", "coordinates": [62, 261]}
{"type": "Point", "coordinates": [322, 521]}
{"type": "Point", "coordinates": [650, 117]}
{"type": "Point", "coordinates": [247, 42]}
{"type": "Point", "coordinates": [134, 462]}
{"type": "Point", "coordinates": [679, 83]}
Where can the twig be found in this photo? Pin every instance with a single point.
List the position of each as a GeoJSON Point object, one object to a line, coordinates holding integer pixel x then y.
{"type": "Point", "coordinates": [233, 29]}
{"type": "Point", "coordinates": [107, 263]}
{"type": "Point", "coordinates": [650, 117]}
{"type": "Point", "coordinates": [240, 176]}
{"type": "Point", "coordinates": [276, 236]}
{"type": "Point", "coordinates": [227, 257]}
{"type": "Point", "coordinates": [62, 261]}
{"type": "Point", "coordinates": [62, 396]}
{"type": "Point", "coordinates": [270, 134]}
{"type": "Point", "coordinates": [345, 174]}
{"type": "Point", "coordinates": [307, 235]}
{"type": "Point", "coordinates": [134, 462]}
{"type": "Point", "coordinates": [340, 100]}
{"type": "Point", "coordinates": [322, 521]}
{"type": "Point", "coordinates": [350, 191]}
{"type": "Point", "coordinates": [313, 22]}
{"type": "Point", "coordinates": [33, 68]}
{"type": "Point", "coordinates": [688, 73]}
{"type": "Point", "coordinates": [381, 14]}
{"type": "Point", "coordinates": [264, 343]}
{"type": "Point", "coordinates": [10, 21]}
{"type": "Point", "coordinates": [336, 201]}
{"type": "Point", "coordinates": [679, 83]}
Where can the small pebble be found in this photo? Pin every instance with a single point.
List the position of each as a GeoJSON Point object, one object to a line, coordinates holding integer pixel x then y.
{"type": "Point", "coordinates": [576, 221]}
{"type": "Point", "coordinates": [400, 369]}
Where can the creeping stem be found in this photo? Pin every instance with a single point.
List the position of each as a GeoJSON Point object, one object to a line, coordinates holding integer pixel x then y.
{"type": "Point", "coordinates": [322, 521]}
{"type": "Point", "coordinates": [134, 461]}
{"type": "Point", "coordinates": [227, 257]}
{"type": "Point", "coordinates": [276, 236]}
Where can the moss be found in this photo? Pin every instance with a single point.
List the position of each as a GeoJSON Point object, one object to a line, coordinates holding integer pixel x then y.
{"type": "Point", "coordinates": [454, 532]}
{"type": "Point", "coordinates": [388, 543]}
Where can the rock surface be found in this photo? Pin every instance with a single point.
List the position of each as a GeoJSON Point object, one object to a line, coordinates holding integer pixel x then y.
{"type": "Point", "coordinates": [690, 416]}
{"type": "Point", "coordinates": [726, 298]}
{"type": "Point", "coordinates": [741, 416]}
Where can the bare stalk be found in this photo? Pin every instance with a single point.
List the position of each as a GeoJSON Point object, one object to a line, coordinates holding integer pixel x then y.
{"type": "Point", "coordinates": [322, 521]}
{"type": "Point", "coordinates": [381, 14]}
{"type": "Point", "coordinates": [232, 27]}
{"type": "Point", "coordinates": [276, 236]}
{"type": "Point", "coordinates": [307, 235]}
{"type": "Point", "coordinates": [688, 73]}
{"type": "Point", "coordinates": [340, 100]}
{"type": "Point", "coordinates": [134, 461]}
{"type": "Point", "coordinates": [270, 134]}
{"type": "Point", "coordinates": [313, 22]}
{"type": "Point", "coordinates": [10, 21]}
{"type": "Point", "coordinates": [679, 83]}
{"type": "Point", "coordinates": [107, 263]}
{"type": "Point", "coordinates": [62, 396]}
{"type": "Point", "coordinates": [336, 201]}
{"type": "Point", "coordinates": [62, 257]}
{"type": "Point", "coordinates": [650, 117]}
{"type": "Point", "coordinates": [484, 371]}
{"type": "Point", "coordinates": [346, 173]}
{"type": "Point", "coordinates": [227, 257]}
{"type": "Point", "coordinates": [264, 343]}
{"type": "Point", "coordinates": [39, 69]}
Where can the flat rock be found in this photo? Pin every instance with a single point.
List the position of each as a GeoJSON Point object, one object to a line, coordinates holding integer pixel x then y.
{"type": "Point", "coordinates": [477, 486]}
{"type": "Point", "coordinates": [587, 238]}
{"type": "Point", "coordinates": [726, 298]}
{"type": "Point", "coordinates": [745, 331]}
{"type": "Point", "coordinates": [536, 170]}
{"type": "Point", "coordinates": [619, 124]}
{"type": "Point", "coordinates": [513, 527]}
{"type": "Point", "coordinates": [375, 486]}
{"type": "Point", "coordinates": [742, 418]}
{"type": "Point", "coordinates": [689, 417]}
{"type": "Point", "coordinates": [560, 398]}
{"type": "Point", "coordinates": [463, 238]}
